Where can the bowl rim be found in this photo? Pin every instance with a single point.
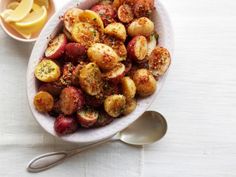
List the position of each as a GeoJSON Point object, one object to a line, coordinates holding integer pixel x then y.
{"type": "Point", "coordinates": [126, 120]}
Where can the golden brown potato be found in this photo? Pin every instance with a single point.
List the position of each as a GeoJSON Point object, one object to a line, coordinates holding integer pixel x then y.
{"type": "Point", "coordinates": [90, 79]}
{"type": "Point", "coordinates": [47, 71]}
{"type": "Point", "coordinates": [116, 30]}
{"type": "Point", "coordinates": [114, 105]}
{"type": "Point", "coordinates": [71, 17]}
{"type": "Point", "coordinates": [142, 26]}
{"type": "Point", "coordinates": [145, 82]}
{"type": "Point", "coordinates": [130, 106]}
{"type": "Point", "coordinates": [128, 88]}
{"type": "Point", "coordinates": [117, 45]}
{"type": "Point", "coordinates": [103, 55]}
{"type": "Point", "coordinates": [125, 13]}
{"type": "Point", "coordinates": [143, 8]}
{"type": "Point", "coordinates": [85, 34]}
{"type": "Point", "coordinates": [43, 102]}
{"type": "Point", "coordinates": [159, 61]}
{"type": "Point", "coordinates": [91, 17]}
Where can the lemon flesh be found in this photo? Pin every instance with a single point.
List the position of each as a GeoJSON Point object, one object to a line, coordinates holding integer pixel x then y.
{"type": "Point", "coordinates": [21, 11]}
{"type": "Point", "coordinates": [34, 19]}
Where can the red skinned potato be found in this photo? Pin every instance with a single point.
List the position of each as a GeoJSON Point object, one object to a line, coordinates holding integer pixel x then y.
{"type": "Point", "coordinates": [141, 26]}
{"type": "Point", "coordinates": [54, 88]}
{"type": "Point", "coordinates": [87, 117]}
{"type": "Point", "coordinates": [116, 74]}
{"type": "Point", "coordinates": [106, 13]}
{"type": "Point", "coordinates": [75, 52]}
{"type": "Point", "coordinates": [137, 48]}
{"type": "Point", "coordinates": [65, 125]}
{"type": "Point", "coordinates": [103, 119]}
{"type": "Point", "coordinates": [145, 82]}
{"type": "Point", "coordinates": [56, 47]}
{"type": "Point", "coordinates": [159, 61]}
{"type": "Point", "coordinates": [125, 13]}
{"type": "Point", "coordinates": [71, 99]}
{"type": "Point", "coordinates": [143, 8]}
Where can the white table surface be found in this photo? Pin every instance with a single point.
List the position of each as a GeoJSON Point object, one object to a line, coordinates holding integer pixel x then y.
{"type": "Point", "coordinates": [198, 100]}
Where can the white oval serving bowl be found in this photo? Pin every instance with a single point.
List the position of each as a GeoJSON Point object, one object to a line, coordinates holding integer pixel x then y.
{"type": "Point", "coordinates": [82, 136]}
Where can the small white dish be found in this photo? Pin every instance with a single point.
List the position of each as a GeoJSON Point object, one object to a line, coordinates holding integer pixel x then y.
{"type": "Point", "coordinates": [82, 136]}
{"type": "Point", "coordinates": [11, 32]}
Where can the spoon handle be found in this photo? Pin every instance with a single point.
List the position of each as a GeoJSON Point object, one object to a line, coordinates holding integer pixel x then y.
{"type": "Point", "coordinates": [49, 160]}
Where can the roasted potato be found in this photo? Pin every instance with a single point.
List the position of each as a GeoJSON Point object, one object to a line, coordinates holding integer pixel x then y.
{"type": "Point", "coordinates": [159, 61]}
{"type": "Point", "coordinates": [103, 119]}
{"type": "Point", "coordinates": [56, 47]}
{"type": "Point", "coordinates": [114, 105]}
{"type": "Point", "coordinates": [125, 13]}
{"type": "Point", "coordinates": [87, 117]}
{"type": "Point", "coordinates": [145, 82]}
{"type": "Point", "coordinates": [75, 52]}
{"type": "Point", "coordinates": [141, 26]}
{"type": "Point", "coordinates": [65, 125]}
{"type": "Point", "coordinates": [116, 30]}
{"type": "Point", "coordinates": [47, 71]}
{"type": "Point", "coordinates": [138, 48]}
{"type": "Point", "coordinates": [85, 34]}
{"type": "Point", "coordinates": [117, 3]}
{"type": "Point", "coordinates": [54, 88]}
{"type": "Point", "coordinates": [143, 8]}
{"type": "Point", "coordinates": [90, 79]}
{"type": "Point", "coordinates": [91, 17]}
{"type": "Point", "coordinates": [106, 13]}
{"type": "Point", "coordinates": [130, 106]}
{"type": "Point", "coordinates": [66, 78]}
{"type": "Point", "coordinates": [116, 74]}
{"type": "Point", "coordinates": [128, 88]}
{"type": "Point", "coordinates": [71, 99]}
{"type": "Point", "coordinates": [117, 45]}
{"type": "Point", "coordinates": [103, 55]}
{"type": "Point", "coordinates": [43, 102]}
{"type": "Point", "coordinates": [71, 17]}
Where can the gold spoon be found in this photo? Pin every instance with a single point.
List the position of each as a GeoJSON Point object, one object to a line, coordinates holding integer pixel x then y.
{"type": "Point", "coordinates": [149, 128]}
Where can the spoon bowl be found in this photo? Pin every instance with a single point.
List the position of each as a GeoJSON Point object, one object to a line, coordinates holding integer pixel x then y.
{"type": "Point", "coordinates": [149, 128]}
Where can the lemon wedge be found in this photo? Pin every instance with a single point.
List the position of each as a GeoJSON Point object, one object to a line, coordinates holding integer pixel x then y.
{"type": "Point", "coordinates": [42, 3]}
{"type": "Point", "coordinates": [23, 32]}
{"type": "Point", "coordinates": [21, 11]}
{"type": "Point", "coordinates": [6, 13]}
{"type": "Point", "coordinates": [13, 5]}
{"type": "Point", "coordinates": [35, 19]}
